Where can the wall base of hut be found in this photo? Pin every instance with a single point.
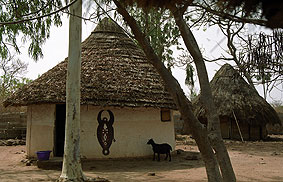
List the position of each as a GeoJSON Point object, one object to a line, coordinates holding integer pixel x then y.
{"type": "Point", "coordinates": [245, 131]}
{"type": "Point", "coordinates": [133, 127]}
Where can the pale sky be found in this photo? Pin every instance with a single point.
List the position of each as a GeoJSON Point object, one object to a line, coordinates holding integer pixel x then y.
{"type": "Point", "coordinates": [55, 50]}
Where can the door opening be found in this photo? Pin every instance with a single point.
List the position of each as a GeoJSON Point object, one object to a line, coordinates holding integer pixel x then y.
{"type": "Point", "coordinates": [60, 130]}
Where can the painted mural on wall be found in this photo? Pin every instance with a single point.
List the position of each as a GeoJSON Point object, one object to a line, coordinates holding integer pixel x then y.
{"type": "Point", "coordinates": [105, 131]}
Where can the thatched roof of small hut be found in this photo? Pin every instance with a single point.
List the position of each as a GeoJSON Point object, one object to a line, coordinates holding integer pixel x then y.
{"type": "Point", "coordinates": [114, 72]}
{"type": "Point", "coordinates": [231, 93]}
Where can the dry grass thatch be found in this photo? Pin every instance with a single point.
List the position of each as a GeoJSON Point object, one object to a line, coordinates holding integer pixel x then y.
{"type": "Point", "coordinates": [232, 93]}
{"type": "Point", "coordinates": [114, 72]}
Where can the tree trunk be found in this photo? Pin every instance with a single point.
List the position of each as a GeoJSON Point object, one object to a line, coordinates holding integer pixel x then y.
{"type": "Point", "coordinates": [199, 132]}
{"type": "Point", "coordinates": [72, 170]}
{"type": "Point", "coordinates": [213, 127]}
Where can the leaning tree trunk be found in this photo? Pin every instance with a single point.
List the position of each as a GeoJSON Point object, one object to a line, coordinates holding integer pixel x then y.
{"type": "Point", "coordinates": [213, 126]}
{"type": "Point", "coordinates": [182, 102]}
{"type": "Point", "coordinates": [72, 170]}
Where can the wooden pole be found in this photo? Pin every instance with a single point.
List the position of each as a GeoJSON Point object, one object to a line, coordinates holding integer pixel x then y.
{"type": "Point", "coordinates": [238, 126]}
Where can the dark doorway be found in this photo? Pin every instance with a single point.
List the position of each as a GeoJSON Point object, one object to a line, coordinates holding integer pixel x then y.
{"type": "Point", "coordinates": [60, 130]}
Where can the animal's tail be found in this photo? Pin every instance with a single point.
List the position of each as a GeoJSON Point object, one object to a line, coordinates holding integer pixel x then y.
{"type": "Point", "coordinates": [170, 148]}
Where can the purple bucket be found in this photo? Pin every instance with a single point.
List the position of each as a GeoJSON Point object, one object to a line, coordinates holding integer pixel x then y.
{"type": "Point", "coordinates": [43, 155]}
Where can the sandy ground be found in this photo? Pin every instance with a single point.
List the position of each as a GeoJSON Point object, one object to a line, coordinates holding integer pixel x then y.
{"type": "Point", "coordinates": [252, 161]}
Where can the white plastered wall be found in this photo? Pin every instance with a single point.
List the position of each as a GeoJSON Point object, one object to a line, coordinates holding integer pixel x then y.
{"type": "Point", "coordinates": [40, 128]}
{"type": "Point", "coordinates": [132, 129]}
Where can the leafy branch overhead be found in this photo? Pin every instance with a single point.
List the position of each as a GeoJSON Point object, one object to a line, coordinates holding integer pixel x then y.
{"type": "Point", "coordinates": [262, 12]}
{"type": "Point", "coordinates": [160, 28]}
{"type": "Point", "coordinates": [13, 24]}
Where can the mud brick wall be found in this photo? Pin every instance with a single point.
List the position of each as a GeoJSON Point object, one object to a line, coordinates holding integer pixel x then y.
{"type": "Point", "coordinates": [13, 125]}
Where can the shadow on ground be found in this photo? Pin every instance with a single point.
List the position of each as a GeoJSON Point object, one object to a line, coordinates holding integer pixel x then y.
{"type": "Point", "coordinates": [180, 160]}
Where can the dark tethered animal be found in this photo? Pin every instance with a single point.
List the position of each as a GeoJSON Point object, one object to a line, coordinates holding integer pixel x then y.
{"type": "Point", "coordinates": [160, 149]}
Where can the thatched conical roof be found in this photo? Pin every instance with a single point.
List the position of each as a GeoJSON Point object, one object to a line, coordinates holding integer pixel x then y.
{"type": "Point", "coordinates": [114, 72]}
{"type": "Point", "coordinates": [232, 93]}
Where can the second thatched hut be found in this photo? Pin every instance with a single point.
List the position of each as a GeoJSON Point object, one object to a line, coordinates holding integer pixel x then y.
{"type": "Point", "coordinates": [242, 111]}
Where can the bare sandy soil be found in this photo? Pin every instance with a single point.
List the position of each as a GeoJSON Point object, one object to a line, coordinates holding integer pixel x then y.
{"type": "Point", "coordinates": [252, 161]}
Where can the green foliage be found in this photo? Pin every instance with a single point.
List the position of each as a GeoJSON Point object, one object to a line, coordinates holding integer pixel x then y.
{"type": "Point", "coordinates": [12, 76]}
{"type": "Point", "coordinates": [10, 84]}
{"type": "Point", "coordinates": [189, 81]}
{"type": "Point", "coordinates": [160, 29]}
{"type": "Point", "coordinates": [14, 16]}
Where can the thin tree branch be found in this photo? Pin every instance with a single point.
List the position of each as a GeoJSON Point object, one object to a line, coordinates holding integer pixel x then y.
{"type": "Point", "coordinates": [38, 17]}
{"type": "Point", "coordinates": [185, 6]}
{"type": "Point", "coordinates": [232, 17]}
{"type": "Point", "coordinates": [218, 59]}
{"type": "Point", "coordinates": [199, 19]}
{"type": "Point", "coordinates": [37, 11]}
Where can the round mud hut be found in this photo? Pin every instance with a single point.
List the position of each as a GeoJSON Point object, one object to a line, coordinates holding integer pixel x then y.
{"type": "Point", "coordinates": [242, 111]}
{"type": "Point", "coordinates": [123, 101]}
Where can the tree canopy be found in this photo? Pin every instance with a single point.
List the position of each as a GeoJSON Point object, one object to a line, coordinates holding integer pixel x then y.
{"type": "Point", "coordinates": [270, 11]}
{"type": "Point", "coordinates": [31, 20]}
